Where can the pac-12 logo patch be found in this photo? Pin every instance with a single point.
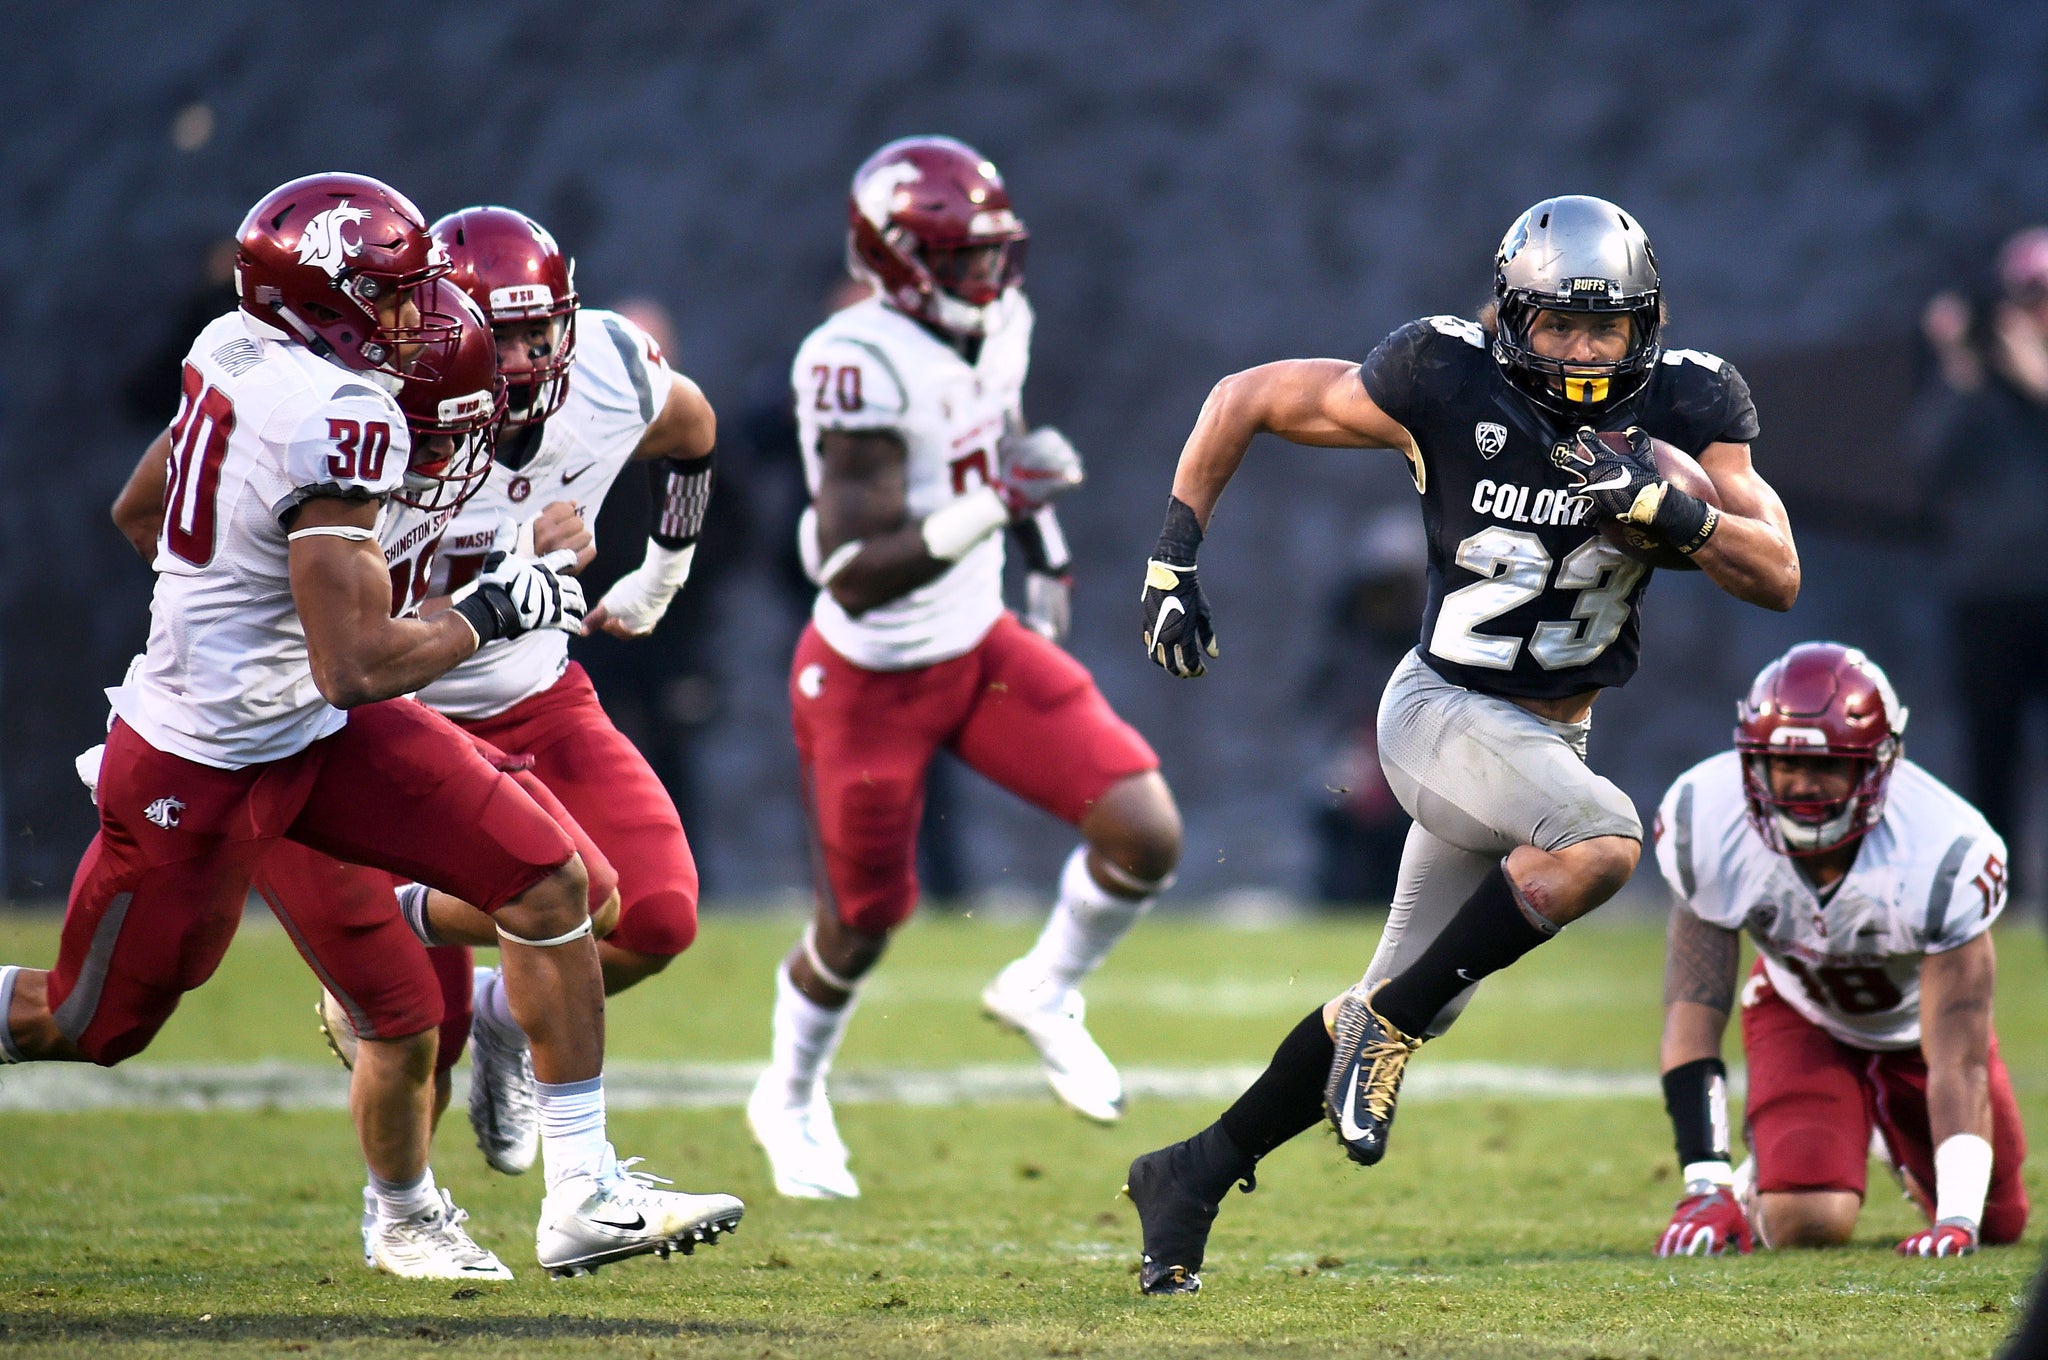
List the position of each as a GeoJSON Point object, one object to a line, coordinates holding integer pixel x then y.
{"type": "Point", "coordinates": [165, 812]}
{"type": "Point", "coordinates": [1490, 438]}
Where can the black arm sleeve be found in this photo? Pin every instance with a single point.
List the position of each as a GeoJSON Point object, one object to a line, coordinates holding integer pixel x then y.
{"type": "Point", "coordinates": [682, 493]}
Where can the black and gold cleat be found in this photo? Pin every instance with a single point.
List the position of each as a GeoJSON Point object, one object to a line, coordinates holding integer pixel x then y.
{"type": "Point", "coordinates": [1176, 1191]}
{"type": "Point", "coordinates": [1365, 1077]}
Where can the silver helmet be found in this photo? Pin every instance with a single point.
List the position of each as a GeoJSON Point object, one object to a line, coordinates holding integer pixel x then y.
{"type": "Point", "coordinates": [1576, 253]}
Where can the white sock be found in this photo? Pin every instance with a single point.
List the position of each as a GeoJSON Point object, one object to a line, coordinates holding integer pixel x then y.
{"type": "Point", "coordinates": [806, 1035]}
{"type": "Point", "coordinates": [572, 1141]}
{"type": "Point", "coordinates": [397, 1200]}
{"type": "Point", "coordinates": [8, 1052]}
{"type": "Point", "coordinates": [1084, 926]}
{"type": "Point", "coordinates": [494, 1008]}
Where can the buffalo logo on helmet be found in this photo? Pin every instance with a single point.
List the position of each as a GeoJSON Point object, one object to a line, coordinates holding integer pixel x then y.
{"type": "Point", "coordinates": [326, 243]}
{"type": "Point", "coordinates": [1490, 437]}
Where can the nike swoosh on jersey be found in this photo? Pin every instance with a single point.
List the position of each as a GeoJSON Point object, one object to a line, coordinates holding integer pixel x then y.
{"type": "Point", "coordinates": [1346, 1125]}
{"type": "Point", "coordinates": [568, 476]}
{"type": "Point", "coordinates": [1619, 480]}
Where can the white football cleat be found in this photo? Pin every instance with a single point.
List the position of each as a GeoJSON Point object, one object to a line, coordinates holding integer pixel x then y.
{"type": "Point", "coordinates": [587, 1221]}
{"type": "Point", "coordinates": [430, 1246]}
{"type": "Point", "coordinates": [337, 1029]}
{"type": "Point", "coordinates": [502, 1107]}
{"type": "Point", "coordinates": [1053, 1019]}
{"type": "Point", "coordinates": [802, 1141]}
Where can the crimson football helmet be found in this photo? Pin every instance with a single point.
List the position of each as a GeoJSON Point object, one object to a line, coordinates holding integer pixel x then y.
{"type": "Point", "coordinates": [1576, 253]}
{"type": "Point", "coordinates": [316, 257]}
{"type": "Point", "coordinates": [512, 267]}
{"type": "Point", "coordinates": [1819, 699]}
{"type": "Point", "coordinates": [453, 399]}
{"type": "Point", "coordinates": [930, 226]}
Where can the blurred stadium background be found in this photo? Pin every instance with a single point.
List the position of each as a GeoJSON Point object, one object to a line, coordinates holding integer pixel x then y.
{"type": "Point", "coordinates": [1209, 185]}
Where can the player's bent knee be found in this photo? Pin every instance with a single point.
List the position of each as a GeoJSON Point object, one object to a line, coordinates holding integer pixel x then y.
{"type": "Point", "coordinates": [553, 909]}
{"type": "Point", "coordinates": [1823, 1218]}
{"type": "Point", "coordinates": [1137, 825]}
{"type": "Point", "coordinates": [2002, 1224]}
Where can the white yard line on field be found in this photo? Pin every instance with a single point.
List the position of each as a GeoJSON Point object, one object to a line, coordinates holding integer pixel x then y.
{"type": "Point", "coordinates": [48, 1088]}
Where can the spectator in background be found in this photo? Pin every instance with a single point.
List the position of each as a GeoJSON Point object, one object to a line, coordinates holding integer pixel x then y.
{"type": "Point", "coordinates": [1982, 435]}
{"type": "Point", "coordinates": [1358, 826]}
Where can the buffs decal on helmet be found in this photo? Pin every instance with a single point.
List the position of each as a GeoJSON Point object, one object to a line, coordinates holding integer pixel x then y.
{"type": "Point", "coordinates": [1576, 253]}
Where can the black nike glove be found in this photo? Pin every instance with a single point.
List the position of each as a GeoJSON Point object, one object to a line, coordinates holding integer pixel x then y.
{"type": "Point", "coordinates": [1178, 631]}
{"type": "Point", "coordinates": [1629, 488]}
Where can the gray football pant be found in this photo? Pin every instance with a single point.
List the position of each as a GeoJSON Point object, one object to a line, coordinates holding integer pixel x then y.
{"type": "Point", "coordinates": [1480, 776]}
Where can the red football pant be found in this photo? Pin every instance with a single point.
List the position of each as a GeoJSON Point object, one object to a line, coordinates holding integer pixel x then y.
{"type": "Point", "coordinates": [159, 893]}
{"type": "Point", "coordinates": [1813, 1101]}
{"type": "Point", "coordinates": [611, 792]}
{"type": "Point", "coordinates": [1016, 708]}
{"type": "Point", "coordinates": [345, 921]}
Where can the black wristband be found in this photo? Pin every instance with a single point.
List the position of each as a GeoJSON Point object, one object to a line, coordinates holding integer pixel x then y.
{"type": "Point", "coordinates": [1181, 537]}
{"type": "Point", "coordinates": [489, 611]}
{"type": "Point", "coordinates": [682, 493]}
{"type": "Point", "coordinates": [1685, 521]}
{"type": "Point", "coordinates": [1690, 1098]}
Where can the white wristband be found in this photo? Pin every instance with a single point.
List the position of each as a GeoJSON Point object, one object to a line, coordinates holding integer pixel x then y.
{"type": "Point", "coordinates": [640, 597]}
{"type": "Point", "coordinates": [951, 531]}
{"type": "Point", "coordinates": [1962, 1177]}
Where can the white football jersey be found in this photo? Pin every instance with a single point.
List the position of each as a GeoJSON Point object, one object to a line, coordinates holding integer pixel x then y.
{"type": "Point", "coordinates": [1930, 876]}
{"type": "Point", "coordinates": [618, 383]}
{"type": "Point", "coordinates": [870, 367]}
{"type": "Point", "coordinates": [264, 423]}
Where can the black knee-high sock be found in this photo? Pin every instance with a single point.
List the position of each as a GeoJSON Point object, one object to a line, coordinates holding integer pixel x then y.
{"type": "Point", "coordinates": [1286, 1099]}
{"type": "Point", "coordinates": [1489, 932]}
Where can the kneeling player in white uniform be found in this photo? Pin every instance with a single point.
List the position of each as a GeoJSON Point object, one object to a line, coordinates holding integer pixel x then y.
{"type": "Point", "coordinates": [1869, 890]}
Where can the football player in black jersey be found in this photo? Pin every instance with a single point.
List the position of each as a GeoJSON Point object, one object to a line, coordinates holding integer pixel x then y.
{"type": "Point", "coordinates": [1482, 730]}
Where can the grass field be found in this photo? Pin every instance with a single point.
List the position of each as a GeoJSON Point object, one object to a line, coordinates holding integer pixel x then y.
{"type": "Point", "coordinates": [1498, 1227]}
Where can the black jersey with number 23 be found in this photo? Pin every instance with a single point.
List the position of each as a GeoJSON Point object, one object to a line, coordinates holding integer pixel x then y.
{"type": "Point", "coordinates": [1525, 597]}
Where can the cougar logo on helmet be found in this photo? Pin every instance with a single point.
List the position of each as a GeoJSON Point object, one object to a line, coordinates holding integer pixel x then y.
{"type": "Point", "coordinates": [878, 192]}
{"type": "Point", "coordinates": [326, 243]}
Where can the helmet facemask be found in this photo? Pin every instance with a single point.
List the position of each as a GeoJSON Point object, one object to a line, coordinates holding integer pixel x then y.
{"type": "Point", "coordinates": [1800, 827]}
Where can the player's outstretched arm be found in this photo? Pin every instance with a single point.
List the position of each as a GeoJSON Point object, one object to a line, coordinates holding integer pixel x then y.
{"type": "Point", "coordinates": [678, 445]}
{"type": "Point", "coordinates": [1750, 553]}
{"type": "Point", "coordinates": [139, 510]}
{"type": "Point", "coordinates": [1955, 1040]}
{"type": "Point", "coordinates": [1305, 401]}
{"type": "Point", "coordinates": [1701, 962]}
{"type": "Point", "coordinates": [359, 653]}
{"type": "Point", "coordinates": [1319, 402]}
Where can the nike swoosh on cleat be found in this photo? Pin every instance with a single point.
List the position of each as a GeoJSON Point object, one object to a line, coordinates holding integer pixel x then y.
{"type": "Point", "coordinates": [636, 1225]}
{"type": "Point", "coordinates": [1346, 1125]}
{"type": "Point", "coordinates": [1619, 480]}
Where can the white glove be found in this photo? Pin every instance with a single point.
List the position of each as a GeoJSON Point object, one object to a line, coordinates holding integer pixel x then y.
{"type": "Point", "coordinates": [640, 597]}
{"type": "Point", "coordinates": [1032, 469]}
{"type": "Point", "coordinates": [514, 595]}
